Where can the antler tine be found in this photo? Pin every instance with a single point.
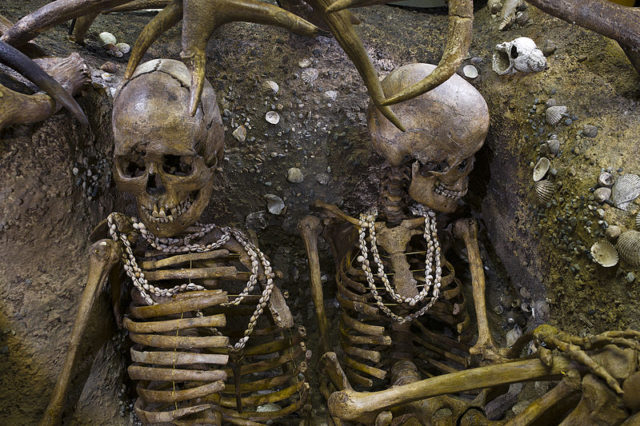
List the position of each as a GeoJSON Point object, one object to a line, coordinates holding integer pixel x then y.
{"type": "Point", "coordinates": [347, 4]}
{"type": "Point", "coordinates": [202, 17]}
{"type": "Point", "coordinates": [343, 31]}
{"type": "Point", "coordinates": [52, 14]}
{"type": "Point", "coordinates": [17, 60]}
{"type": "Point", "coordinates": [167, 18]}
{"type": "Point", "coordinates": [458, 42]}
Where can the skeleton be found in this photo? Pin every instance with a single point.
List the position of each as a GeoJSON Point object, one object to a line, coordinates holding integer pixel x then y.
{"type": "Point", "coordinates": [59, 78]}
{"type": "Point", "coordinates": [202, 17]}
{"type": "Point", "coordinates": [213, 338]}
{"type": "Point", "coordinates": [402, 313]}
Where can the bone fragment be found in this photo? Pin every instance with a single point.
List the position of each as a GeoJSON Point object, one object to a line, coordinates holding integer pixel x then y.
{"type": "Point", "coordinates": [183, 342]}
{"type": "Point", "coordinates": [220, 272]}
{"type": "Point", "coordinates": [177, 358]}
{"type": "Point", "coordinates": [269, 398]}
{"type": "Point", "coordinates": [174, 395]}
{"type": "Point", "coordinates": [216, 297]}
{"type": "Point", "coordinates": [137, 372]}
{"type": "Point", "coordinates": [178, 324]}
{"type": "Point", "coordinates": [183, 258]}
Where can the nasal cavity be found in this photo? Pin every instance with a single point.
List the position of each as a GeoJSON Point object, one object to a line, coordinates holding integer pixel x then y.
{"type": "Point", "coordinates": [154, 185]}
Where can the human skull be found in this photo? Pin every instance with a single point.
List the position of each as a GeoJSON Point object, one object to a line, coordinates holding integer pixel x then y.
{"type": "Point", "coordinates": [163, 156]}
{"type": "Point", "coordinates": [521, 54]}
{"type": "Point", "coordinates": [444, 129]}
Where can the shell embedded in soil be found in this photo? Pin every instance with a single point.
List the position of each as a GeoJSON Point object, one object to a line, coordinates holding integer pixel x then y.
{"type": "Point", "coordinates": [555, 113]}
{"type": "Point", "coordinates": [272, 117]}
{"type": "Point", "coordinates": [628, 246]}
{"type": "Point", "coordinates": [605, 179]}
{"type": "Point", "coordinates": [602, 194]}
{"type": "Point", "coordinates": [604, 253]}
{"type": "Point", "coordinates": [541, 169]}
{"type": "Point", "coordinates": [625, 190]}
{"type": "Point", "coordinates": [271, 86]}
{"type": "Point", "coordinates": [309, 75]}
{"type": "Point", "coordinates": [545, 190]}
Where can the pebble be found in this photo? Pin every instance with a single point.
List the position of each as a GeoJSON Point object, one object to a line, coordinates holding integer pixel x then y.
{"type": "Point", "coordinates": [107, 38]}
{"type": "Point", "coordinates": [602, 194]}
{"type": "Point", "coordinates": [631, 277]}
{"type": "Point", "coordinates": [613, 232]}
{"type": "Point", "coordinates": [240, 133]}
{"type": "Point", "coordinates": [568, 122]}
{"type": "Point", "coordinates": [323, 178]}
{"type": "Point", "coordinates": [331, 94]}
{"type": "Point", "coordinates": [470, 71]}
{"type": "Point", "coordinates": [549, 48]}
{"type": "Point", "coordinates": [590, 131]}
{"type": "Point", "coordinates": [275, 204]}
{"type": "Point", "coordinates": [294, 175]}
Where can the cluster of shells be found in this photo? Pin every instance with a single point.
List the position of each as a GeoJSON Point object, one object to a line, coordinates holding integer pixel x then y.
{"type": "Point", "coordinates": [111, 45]}
{"type": "Point", "coordinates": [544, 187]}
{"type": "Point", "coordinates": [620, 192]}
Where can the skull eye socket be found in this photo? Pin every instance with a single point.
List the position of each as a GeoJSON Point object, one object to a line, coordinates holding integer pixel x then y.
{"type": "Point", "coordinates": [433, 167]}
{"type": "Point", "coordinates": [132, 166]}
{"type": "Point", "coordinates": [177, 165]}
{"type": "Point", "coordinates": [463, 165]}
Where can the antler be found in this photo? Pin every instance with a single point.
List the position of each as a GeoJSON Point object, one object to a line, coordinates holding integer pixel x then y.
{"type": "Point", "coordinates": [458, 42]}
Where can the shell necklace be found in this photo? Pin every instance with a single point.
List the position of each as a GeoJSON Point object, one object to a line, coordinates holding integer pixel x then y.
{"type": "Point", "coordinates": [184, 245]}
{"type": "Point", "coordinates": [432, 269]}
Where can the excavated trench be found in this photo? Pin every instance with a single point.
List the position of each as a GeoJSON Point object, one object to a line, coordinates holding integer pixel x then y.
{"type": "Point", "coordinates": [56, 184]}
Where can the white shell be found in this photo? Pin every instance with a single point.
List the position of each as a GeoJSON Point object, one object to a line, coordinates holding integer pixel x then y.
{"type": "Point", "coordinates": [107, 38]}
{"type": "Point", "coordinates": [272, 117]}
{"type": "Point", "coordinates": [625, 190]}
{"type": "Point", "coordinates": [309, 75]}
{"type": "Point", "coordinates": [541, 169]}
{"type": "Point", "coordinates": [272, 86]}
{"type": "Point", "coordinates": [304, 63]}
{"type": "Point", "coordinates": [606, 179]}
{"type": "Point", "coordinates": [521, 54]}
{"type": "Point", "coordinates": [294, 175]}
{"type": "Point", "coordinates": [628, 246]}
{"type": "Point", "coordinates": [604, 253]}
{"type": "Point", "coordinates": [545, 190]}
{"type": "Point", "coordinates": [470, 71]}
{"type": "Point", "coordinates": [554, 146]}
{"type": "Point", "coordinates": [123, 47]}
{"type": "Point", "coordinates": [275, 204]}
{"type": "Point", "coordinates": [555, 113]}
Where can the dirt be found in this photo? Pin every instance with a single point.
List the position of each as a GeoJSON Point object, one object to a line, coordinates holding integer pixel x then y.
{"type": "Point", "coordinates": [46, 215]}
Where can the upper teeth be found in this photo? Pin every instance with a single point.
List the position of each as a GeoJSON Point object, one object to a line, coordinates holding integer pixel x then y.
{"type": "Point", "coordinates": [442, 190]}
{"type": "Point", "coordinates": [159, 212]}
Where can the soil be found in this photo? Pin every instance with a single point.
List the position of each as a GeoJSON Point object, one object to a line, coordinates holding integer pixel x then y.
{"type": "Point", "coordinates": [56, 183]}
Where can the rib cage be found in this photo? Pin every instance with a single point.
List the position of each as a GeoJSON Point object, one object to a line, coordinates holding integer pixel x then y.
{"type": "Point", "coordinates": [183, 364]}
{"type": "Point", "coordinates": [367, 337]}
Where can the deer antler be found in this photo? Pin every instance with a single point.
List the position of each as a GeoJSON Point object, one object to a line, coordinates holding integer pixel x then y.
{"type": "Point", "coordinates": [458, 42]}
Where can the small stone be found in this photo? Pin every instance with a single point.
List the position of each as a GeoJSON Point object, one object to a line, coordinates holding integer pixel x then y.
{"type": "Point", "coordinates": [602, 194]}
{"type": "Point", "coordinates": [272, 117]}
{"type": "Point", "coordinates": [107, 38]}
{"type": "Point", "coordinates": [331, 94]}
{"type": "Point", "coordinates": [304, 63]}
{"type": "Point", "coordinates": [549, 48]}
{"type": "Point", "coordinates": [590, 131]}
{"type": "Point", "coordinates": [240, 133]}
{"type": "Point", "coordinates": [294, 175]}
{"type": "Point", "coordinates": [613, 232]}
{"type": "Point", "coordinates": [568, 122]}
{"type": "Point", "coordinates": [323, 178]}
{"type": "Point", "coordinates": [631, 277]}
{"type": "Point", "coordinates": [470, 71]}
{"type": "Point", "coordinates": [275, 204]}
{"type": "Point", "coordinates": [109, 67]}
{"type": "Point", "coordinates": [476, 60]}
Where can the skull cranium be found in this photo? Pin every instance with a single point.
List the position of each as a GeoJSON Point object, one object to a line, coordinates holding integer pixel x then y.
{"type": "Point", "coordinates": [163, 156]}
{"type": "Point", "coordinates": [445, 128]}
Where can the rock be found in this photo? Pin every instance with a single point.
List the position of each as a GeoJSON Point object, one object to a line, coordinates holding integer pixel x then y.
{"type": "Point", "coordinates": [590, 131]}
{"type": "Point", "coordinates": [107, 38]}
{"type": "Point", "coordinates": [275, 204]}
{"type": "Point", "coordinates": [294, 175]}
{"type": "Point", "coordinates": [323, 178]}
{"type": "Point", "coordinates": [549, 48]}
{"type": "Point", "coordinates": [470, 71]}
{"type": "Point", "coordinates": [331, 94]}
{"type": "Point", "coordinates": [602, 194]}
{"type": "Point", "coordinates": [240, 133]}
